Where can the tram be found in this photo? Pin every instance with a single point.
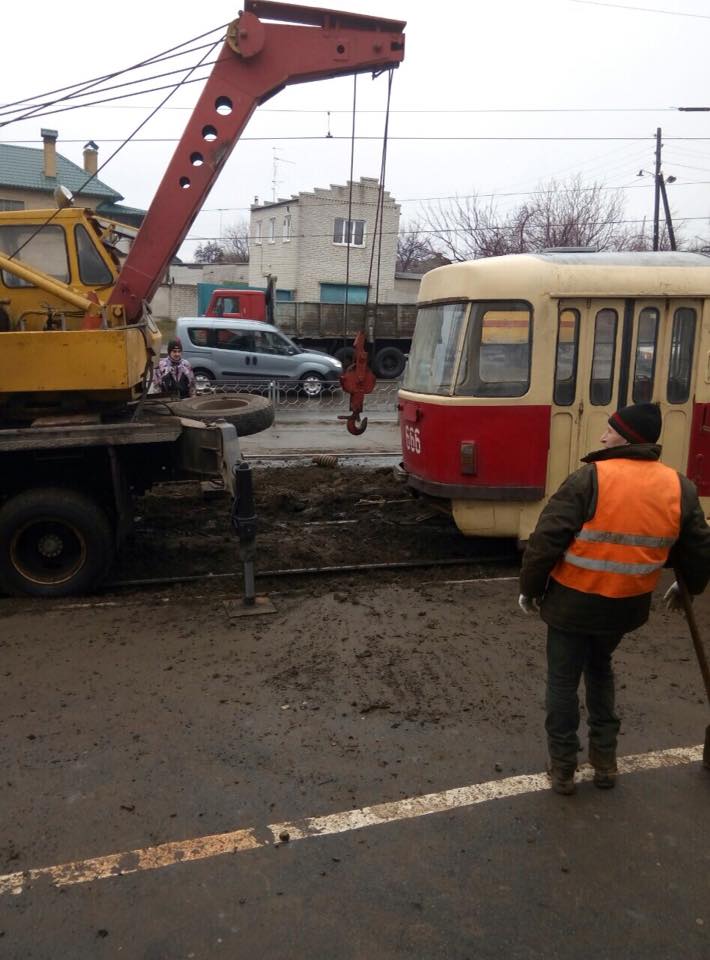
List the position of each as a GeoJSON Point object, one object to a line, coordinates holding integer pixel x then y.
{"type": "Point", "coordinates": [517, 362]}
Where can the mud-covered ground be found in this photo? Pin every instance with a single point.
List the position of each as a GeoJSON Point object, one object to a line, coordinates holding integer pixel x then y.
{"type": "Point", "coordinates": [307, 516]}
{"type": "Point", "coordinates": [157, 715]}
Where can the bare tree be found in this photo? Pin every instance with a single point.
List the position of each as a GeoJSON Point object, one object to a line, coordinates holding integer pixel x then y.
{"type": "Point", "coordinates": [569, 214]}
{"type": "Point", "coordinates": [209, 252]}
{"type": "Point", "coordinates": [236, 243]}
{"type": "Point", "coordinates": [414, 249]}
{"type": "Point", "coordinates": [466, 229]}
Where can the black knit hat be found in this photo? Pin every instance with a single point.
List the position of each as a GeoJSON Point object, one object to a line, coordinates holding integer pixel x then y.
{"type": "Point", "coordinates": [639, 423]}
{"type": "Point", "coordinates": [175, 344]}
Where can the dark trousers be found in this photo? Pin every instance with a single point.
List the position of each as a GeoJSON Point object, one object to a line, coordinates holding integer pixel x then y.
{"type": "Point", "coordinates": [569, 655]}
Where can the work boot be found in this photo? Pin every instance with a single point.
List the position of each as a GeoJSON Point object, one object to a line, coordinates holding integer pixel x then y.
{"type": "Point", "coordinates": [561, 778]}
{"type": "Point", "coordinates": [605, 769]}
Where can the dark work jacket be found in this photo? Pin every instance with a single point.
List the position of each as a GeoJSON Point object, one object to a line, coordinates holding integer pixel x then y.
{"type": "Point", "coordinates": [564, 515]}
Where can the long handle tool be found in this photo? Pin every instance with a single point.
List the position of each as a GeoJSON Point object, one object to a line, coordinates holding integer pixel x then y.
{"type": "Point", "coordinates": [699, 652]}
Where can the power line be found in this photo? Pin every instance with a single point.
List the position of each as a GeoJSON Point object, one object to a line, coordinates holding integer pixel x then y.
{"type": "Point", "coordinates": [465, 231]}
{"type": "Point", "coordinates": [325, 202]}
{"type": "Point", "coordinates": [408, 139]}
{"type": "Point", "coordinates": [622, 6]}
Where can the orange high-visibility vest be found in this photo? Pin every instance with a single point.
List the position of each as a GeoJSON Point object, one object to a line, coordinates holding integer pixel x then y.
{"type": "Point", "coordinates": [621, 551]}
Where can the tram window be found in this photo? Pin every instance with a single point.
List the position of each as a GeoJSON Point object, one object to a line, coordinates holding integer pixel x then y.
{"type": "Point", "coordinates": [681, 365]}
{"type": "Point", "coordinates": [566, 360]}
{"type": "Point", "coordinates": [496, 355]}
{"type": "Point", "coordinates": [432, 357]}
{"type": "Point", "coordinates": [645, 362]}
{"type": "Point", "coordinates": [602, 381]}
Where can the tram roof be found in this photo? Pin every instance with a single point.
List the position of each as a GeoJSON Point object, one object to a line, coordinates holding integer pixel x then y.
{"type": "Point", "coordinates": [560, 273]}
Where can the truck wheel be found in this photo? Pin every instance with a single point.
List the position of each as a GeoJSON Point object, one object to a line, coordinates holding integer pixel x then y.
{"type": "Point", "coordinates": [247, 412]}
{"type": "Point", "coordinates": [53, 542]}
{"type": "Point", "coordinates": [389, 363]}
{"type": "Point", "coordinates": [346, 355]}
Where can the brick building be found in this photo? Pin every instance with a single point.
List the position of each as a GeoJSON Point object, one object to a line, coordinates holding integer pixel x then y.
{"type": "Point", "coordinates": [303, 241]}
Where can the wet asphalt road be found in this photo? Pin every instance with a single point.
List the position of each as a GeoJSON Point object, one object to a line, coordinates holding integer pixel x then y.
{"type": "Point", "coordinates": [154, 718]}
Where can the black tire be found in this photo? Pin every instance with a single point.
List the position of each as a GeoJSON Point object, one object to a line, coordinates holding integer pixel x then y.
{"type": "Point", "coordinates": [249, 413]}
{"type": "Point", "coordinates": [312, 384]}
{"type": "Point", "coordinates": [346, 355]}
{"type": "Point", "coordinates": [389, 363]}
{"type": "Point", "coordinates": [53, 542]}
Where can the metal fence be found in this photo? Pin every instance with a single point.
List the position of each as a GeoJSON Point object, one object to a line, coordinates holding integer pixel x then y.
{"type": "Point", "coordinates": [289, 398]}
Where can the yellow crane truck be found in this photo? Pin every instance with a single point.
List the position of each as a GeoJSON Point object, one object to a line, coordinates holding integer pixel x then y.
{"type": "Point", "coordinates": [79, 435]}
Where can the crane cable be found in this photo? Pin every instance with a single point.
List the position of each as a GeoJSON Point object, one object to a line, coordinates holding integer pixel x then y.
{"type": "Point", "coordinates": [93, 176]}
{"type": "Point", "coordinates": [379, 211]}
{"type": "Point", "coordinates": [349, 221]}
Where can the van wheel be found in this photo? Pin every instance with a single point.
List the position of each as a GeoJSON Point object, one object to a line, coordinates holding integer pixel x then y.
{"type": "Point", "coordinates": [312, 384]}
{"type": "Point", "coordinates": [389, 363]}
{"type": "Point", "coordinates": [203, 380]}
{"type": "Point", "coordinates": [247, 412]}
{"type": "Point", "coordinates": [53, 542]}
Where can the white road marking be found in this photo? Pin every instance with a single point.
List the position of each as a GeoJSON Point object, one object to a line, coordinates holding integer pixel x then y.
{"type": "Point", "coordinates": [236, 841]}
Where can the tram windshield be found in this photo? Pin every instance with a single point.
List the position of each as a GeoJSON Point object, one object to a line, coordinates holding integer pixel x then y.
{"type": "Point", "coordinates": [433, 355]}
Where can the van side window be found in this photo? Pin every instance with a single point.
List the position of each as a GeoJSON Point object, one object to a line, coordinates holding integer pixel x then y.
{"type": "Point", "coordinates": [645, 362]}
{"type": "Point", "coordinates": [268, 342]}
{"type": "Point", "coordinates": [681, 365]}
{"type": "Point", "coordinates": [566, 359]}
{"type": "Point", "coordinates": [200, 336]}
{"type": "Point", "coordinates": [602, 381]}
{"type": "Point", "coordinates": [235, 340]}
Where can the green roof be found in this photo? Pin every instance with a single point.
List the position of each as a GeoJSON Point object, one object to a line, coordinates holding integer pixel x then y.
{"type": "Point", "coordinates": [133, 216]}
{"type": "Point", "coordinates": [23, 169]}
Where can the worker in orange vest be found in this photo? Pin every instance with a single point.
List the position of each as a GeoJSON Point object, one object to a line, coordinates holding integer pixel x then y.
{"type": "Point", "coordinates": [590, 568]}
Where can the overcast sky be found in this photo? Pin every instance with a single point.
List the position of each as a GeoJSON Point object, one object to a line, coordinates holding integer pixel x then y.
{"type": "Point", "coordinates": [492, 98]}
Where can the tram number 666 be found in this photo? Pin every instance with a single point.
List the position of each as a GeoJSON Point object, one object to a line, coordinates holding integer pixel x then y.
{"type": "Point", "coordinates": [412, 439]}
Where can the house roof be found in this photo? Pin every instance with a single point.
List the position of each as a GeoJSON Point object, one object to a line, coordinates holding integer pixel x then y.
{"type": "Point", "coordinates": [133, 216]}
{"type": "Point", "coordinates": [23, 169]}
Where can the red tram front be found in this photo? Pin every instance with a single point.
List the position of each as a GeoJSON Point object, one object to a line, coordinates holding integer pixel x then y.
{"type": "Point", "coordinates": [517, 362]}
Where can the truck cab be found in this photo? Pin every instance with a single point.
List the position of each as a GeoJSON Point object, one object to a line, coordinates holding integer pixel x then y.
{"type": "Point", "coordinates": [237, 305]}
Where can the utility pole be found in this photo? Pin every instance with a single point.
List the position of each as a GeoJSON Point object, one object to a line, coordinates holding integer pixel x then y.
{"type": "Point", "coordinates": [657, 189]}
{"type": "Point", "coordinates": [667, 211]}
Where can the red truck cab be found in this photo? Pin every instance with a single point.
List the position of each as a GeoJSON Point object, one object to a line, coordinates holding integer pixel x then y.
{"type": "Point", "coordinates": [237, 304]}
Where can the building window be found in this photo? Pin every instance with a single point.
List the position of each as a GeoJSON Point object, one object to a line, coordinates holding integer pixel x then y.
{"type": "Point", "coordinates": [287, 228]}
{"type": "Point", "coordinates": [12, 204]}
{"type": "Point", "coordinates": [272, 230]}
{"type": "Point", "coordinates": [257, 232]}
{"type": "Point", "coordinates": [349, 231]}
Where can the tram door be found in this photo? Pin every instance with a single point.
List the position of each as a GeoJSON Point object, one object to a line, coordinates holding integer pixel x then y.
{"type": "Point", "coordinates": [612, 352]}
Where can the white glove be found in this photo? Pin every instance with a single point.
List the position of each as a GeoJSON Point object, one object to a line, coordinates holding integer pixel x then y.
{"type": "Point", "coordinates": [671, 598]}
{"type": "Point", "coordinates": [527, 604]}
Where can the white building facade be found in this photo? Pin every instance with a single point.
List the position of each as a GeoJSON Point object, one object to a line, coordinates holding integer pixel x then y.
{"type": "Point", "coordinates": [312, 247]}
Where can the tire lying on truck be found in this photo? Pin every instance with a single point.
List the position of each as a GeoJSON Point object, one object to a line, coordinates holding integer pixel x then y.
{"type": "Point", "coordinates": [248, 413]}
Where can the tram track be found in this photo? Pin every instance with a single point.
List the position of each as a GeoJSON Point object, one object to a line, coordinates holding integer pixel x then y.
{"type": "Point", "coordinates": [315, 572]}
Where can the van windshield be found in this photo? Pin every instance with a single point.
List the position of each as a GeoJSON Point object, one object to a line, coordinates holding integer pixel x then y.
{"type": "Point", "coordinates": [432, 357]}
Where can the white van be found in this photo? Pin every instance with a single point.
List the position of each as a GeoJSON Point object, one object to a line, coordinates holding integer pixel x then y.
{"type": "Point", "coordinates": [249, 351]}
